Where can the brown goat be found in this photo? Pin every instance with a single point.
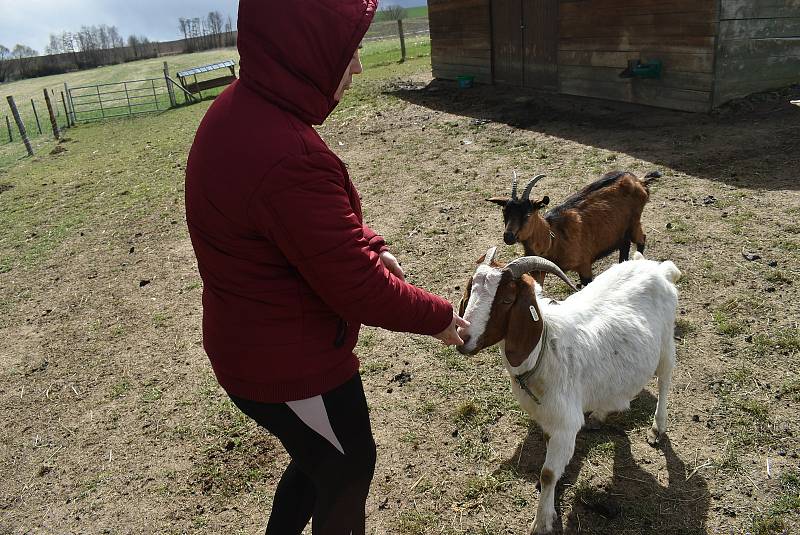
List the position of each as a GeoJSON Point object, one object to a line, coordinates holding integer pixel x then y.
{"type": "Point", "coordinates": [603, 217]}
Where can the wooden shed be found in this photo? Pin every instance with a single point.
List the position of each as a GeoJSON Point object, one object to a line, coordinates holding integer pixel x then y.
{"type": "Point", "coordinates": [707, 51]}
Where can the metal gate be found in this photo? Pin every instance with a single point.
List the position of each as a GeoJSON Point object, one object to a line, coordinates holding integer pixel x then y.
{"type": "Point", "coordinates": [120, 99]}
{"type": "Point", "coordinates": [525, 42]}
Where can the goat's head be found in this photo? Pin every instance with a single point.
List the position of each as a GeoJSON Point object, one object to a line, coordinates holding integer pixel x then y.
{"type": "Point", "coordinates": [518, 210]}
{"type": "Point", "coordinates": [500, 303]}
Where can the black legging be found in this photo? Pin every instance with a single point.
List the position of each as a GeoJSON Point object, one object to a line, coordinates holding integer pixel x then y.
{"type": "Point", "coordinates": [321, 482]}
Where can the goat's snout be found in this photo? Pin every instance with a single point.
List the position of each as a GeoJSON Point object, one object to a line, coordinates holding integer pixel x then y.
{"type": "Point", "coordinates": [509, 237]}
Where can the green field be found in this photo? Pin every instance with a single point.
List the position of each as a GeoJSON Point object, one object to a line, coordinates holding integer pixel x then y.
{"type": "Point", "coordinates": [373, 54]}
{"type": "Point", "coordinates": [419, 12]}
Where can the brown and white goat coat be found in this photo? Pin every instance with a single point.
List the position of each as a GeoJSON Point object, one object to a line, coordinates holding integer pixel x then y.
{"type": "Point", "coordinates": [592, 352]}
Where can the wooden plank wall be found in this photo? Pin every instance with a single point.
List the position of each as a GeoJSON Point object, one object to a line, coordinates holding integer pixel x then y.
{"type": "Point", "coordinates": [598, 37]}
{"type": "Point", "coordinates": [461, 39]}
{"type": "Point", "coordinates": [759, 47]}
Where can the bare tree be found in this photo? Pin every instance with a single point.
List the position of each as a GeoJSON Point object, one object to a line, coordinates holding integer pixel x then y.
{"type": "Point", "coordinates": [23, 53]}
{"type": "Point", "coordinates": [184, 26]}
{"type": "Point", "coordinates": [115, 37]}
{"type": "Point", "coordinates": [54, 47]}
{"type": "Point", "coordinates": [214, 20]}
{"type": "Point", "coordinates": [5, 67]}
{"type": "Point", "coordinates": [393, 13]}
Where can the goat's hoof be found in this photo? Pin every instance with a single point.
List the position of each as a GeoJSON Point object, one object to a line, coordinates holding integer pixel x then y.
{"type": "Point", "coordinates": [540, 530]}
{"type": "Point", "coordinates": [542, 526]}
{"type": "Point", "coordinates": [653, 437]}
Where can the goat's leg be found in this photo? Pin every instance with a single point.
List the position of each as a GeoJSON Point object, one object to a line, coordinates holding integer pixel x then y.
{"type": "Point", "coordinates": [624, 250]}
{"type": "Point", "coordinates": [559, 451]}
{"type": "Point", "coordinates": [664, 373]}
{"type": "Point", "coordinates": [585, 274]}
{"type": "Point", "coordinates": [639, 237]}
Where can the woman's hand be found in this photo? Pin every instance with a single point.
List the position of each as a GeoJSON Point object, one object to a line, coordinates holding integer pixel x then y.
{"type": "Point", "coordinates": [449, 336]}
{"type": "Point", "coordinates": [391, 263]}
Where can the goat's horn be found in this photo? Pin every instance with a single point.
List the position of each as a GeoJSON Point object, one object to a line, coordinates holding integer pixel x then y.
{"type": "Point", "coordinates": [527, 193]}
{"type": "Point", "coordinates": [527, 264]}
{"type": "Point", "coordinates": [514, 187]}
{"type": "Point", "coordinates": [490, 255]}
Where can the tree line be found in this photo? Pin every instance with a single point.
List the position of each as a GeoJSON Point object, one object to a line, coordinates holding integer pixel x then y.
{"type": "Point", "coordinates": [208, 32]}
{"type": "Point", "coordinates": [95, 46]}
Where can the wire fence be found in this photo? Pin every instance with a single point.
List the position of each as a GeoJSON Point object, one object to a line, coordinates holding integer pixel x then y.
{"type": "Point", "coordinates": [120, 99]}
{"type": "Point", "coordinates": [35, 118]}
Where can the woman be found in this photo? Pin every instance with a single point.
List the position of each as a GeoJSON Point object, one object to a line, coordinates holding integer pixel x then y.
{"type": "Point", "coordinates": [290, 270]}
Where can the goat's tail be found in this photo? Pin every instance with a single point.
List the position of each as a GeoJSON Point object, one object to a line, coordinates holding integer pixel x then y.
{"type": "Point", "coordinates": [670, 271]}
{"type": "Point", "coordinates": [650, 177]}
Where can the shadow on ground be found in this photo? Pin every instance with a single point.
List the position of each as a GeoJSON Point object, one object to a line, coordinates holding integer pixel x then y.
{"type": "Point", "coordinates": [749, 143]}
{"type": "Point", "coordinates": [634, 501]}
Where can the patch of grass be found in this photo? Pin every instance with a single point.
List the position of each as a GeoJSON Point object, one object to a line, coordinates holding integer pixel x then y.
{"type": "Point", "coordinates": [785, 340]}
{"type": "Point", "coordinates": [428, 407]}
{"type": "Point", "coordinates": [684, 327]}
{"type": "Point", "coordinates": [374, 367]}
{"type": "Point", "coordinates": [772, 522]}
{"type": "Point", "coordinates": [791, 389]}
{"type": "Point", "coordinates": [119, 389]}
{"type": "Point", "coordinates": [415, 522]}
{"type": "Point", "coordinates": [478, 486]}
{"type": "Point", "coordinates": [679, 232]}
{"type": "Point", "coordinates": [160, 320]}
{"type": "Point", "coordinates": [777, 277]}
{"type": "Point", "coordinates": [788, 245]}
{"type": "Point", "coordinates": [467, 412]}
{"type": "Point", "coordinates": [726, 325]}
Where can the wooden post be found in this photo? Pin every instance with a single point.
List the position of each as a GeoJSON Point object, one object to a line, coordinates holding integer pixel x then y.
{"type": "Point", "coordinates": [8, 125]}
{"type": "Point", "coordinates": [36, 115]}
{"type": "Point", "coordinates": [70, 105]}
{"type": "Point", "coordinates": [20, 124]}
{"type": "Point", "coordinates": [66, 110]}
{"type": "Point", "coordinates": [170, 89]}
{"type": "Point", "coordinates": [53, 121]}
{"type": "Point", "coordinates": [402, 40]}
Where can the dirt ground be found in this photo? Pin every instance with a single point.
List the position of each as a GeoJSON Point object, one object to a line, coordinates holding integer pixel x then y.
{"type": "Point", "coordinates": [113, 423]}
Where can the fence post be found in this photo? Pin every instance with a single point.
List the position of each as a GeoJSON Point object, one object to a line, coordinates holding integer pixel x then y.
{"type": "Point", "coordinates": [8, 125]}
{"type": "Point", "coordinates": [20, 124]}
{"type": "Point", "coordinates": [36, 115]}
{"type": "Point", "coordinates": [71, 105]}
{"type": "Point", "coordinates": [66, 110]}
{"type": "Point", "coordinates": [170, 89]}
{"type": "Point", "coordinates": [53, 121]}
{"type": "Point", "coordinates": [402, 40]}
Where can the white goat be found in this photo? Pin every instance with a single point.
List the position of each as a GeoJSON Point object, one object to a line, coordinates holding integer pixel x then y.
{"type": "Point", "coordinates": [591, 353]}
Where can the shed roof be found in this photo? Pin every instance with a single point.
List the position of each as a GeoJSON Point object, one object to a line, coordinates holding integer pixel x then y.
{"type": "Point", "coordinates": [207, 68]}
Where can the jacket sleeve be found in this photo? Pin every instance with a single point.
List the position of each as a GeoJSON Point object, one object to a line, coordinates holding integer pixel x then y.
{"type": "Point", "coordinates": [375, 240]}
{"type": "Point", "coordinates": [304, 208]}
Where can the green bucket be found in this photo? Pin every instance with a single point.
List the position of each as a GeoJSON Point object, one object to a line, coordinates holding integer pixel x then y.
{"type": "Point", "coordinates": [466, 81]}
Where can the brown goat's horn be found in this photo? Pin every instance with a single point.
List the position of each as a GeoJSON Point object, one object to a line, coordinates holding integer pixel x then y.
{"type": "Point", "coordinates": [527, 193]}
{"type": "Point", "coordinates": [527, 264]}
{"type": "Point", "coordinates": [490, 256]}
{"type": "Point", "coordinates": [514, 187]}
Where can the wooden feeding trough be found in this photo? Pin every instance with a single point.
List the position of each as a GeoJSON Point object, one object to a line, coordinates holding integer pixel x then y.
{"type": "Point", "coordinates": [189, 78]}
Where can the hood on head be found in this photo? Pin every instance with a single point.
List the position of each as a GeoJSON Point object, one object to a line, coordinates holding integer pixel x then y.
{"type": "Point", "coordinates": [294, 53]}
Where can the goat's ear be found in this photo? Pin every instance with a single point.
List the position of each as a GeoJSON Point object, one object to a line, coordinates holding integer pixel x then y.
{"type": "Point", "coordinates": [501, 201]}
{"type": "Point", "coordinates": [544, 202]}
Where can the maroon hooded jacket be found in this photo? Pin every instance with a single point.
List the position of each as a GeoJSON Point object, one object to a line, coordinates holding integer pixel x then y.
{"type": "Point", "coordinates": [290, 271]}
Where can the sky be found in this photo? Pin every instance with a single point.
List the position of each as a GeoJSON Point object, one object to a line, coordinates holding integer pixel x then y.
{"type": "Point", "coordinates": [30, 22]}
